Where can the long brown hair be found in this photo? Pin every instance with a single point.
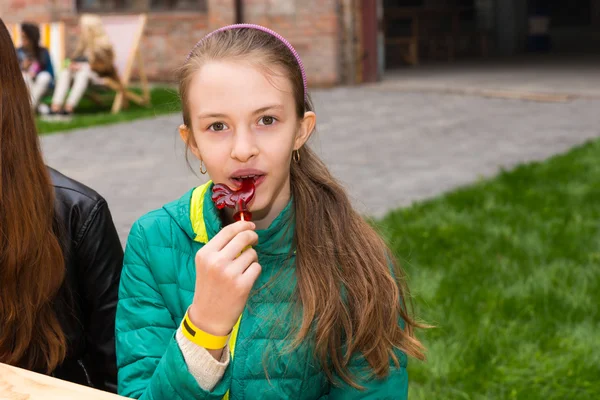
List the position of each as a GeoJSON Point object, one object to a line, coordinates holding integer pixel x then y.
{"type": "Point", "coordinates": [351, 293]}
{"type": "Point", "coordinates": [32, 266]}
{"type": "Point", "coordinates": [32, 32]}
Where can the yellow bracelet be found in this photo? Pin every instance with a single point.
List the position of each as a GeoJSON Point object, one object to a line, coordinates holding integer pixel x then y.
{"type": "Point", "coordinates": [201, 338]}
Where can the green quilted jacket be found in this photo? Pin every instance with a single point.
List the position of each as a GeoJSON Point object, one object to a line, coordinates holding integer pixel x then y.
{"type": "Point", "coordinates": [157, 286]}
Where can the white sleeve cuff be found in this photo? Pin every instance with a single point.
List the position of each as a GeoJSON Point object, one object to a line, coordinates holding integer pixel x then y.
{"type": "Point", "coordinates": [202, 365]}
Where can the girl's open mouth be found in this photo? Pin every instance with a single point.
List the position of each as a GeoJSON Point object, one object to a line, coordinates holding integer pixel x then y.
{"type": "Point", "coordinates": [257, 178]}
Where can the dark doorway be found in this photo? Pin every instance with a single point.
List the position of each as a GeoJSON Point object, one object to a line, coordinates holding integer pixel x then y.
{"type": "Point", "coordinates": [574, 26]}
{"type": "Point", "coordinates": [418, 31]}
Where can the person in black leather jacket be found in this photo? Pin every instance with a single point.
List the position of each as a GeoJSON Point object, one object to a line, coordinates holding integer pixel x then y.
{"type": "Point", "coordinates": [60, 255]}
{"type": "Point", "coordinates": [93, 259]}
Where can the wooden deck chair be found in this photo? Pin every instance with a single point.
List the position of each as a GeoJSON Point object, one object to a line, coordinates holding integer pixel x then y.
{"type": "Point", "coordinates": [125, 33]}
{"type": "Point", "coordinates": [52, 37]}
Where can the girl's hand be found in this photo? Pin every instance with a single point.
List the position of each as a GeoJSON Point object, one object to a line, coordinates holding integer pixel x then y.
{"type": "Point", "coordinates": [224, 278]}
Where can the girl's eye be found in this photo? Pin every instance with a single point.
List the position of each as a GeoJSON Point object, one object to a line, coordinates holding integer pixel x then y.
{"type": "Point", "coordinates": [217, 126]}
{"type": "Point", "coordinates": [267, 120]}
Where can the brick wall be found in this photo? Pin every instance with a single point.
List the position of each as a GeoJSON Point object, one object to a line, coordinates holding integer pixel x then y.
{"type": "Point", "coordinates": [12, 11]}
{"type": "Point", "coordinates": [220, 13]}
{"type": "Point", "coordinates": [312, 26]}
{"type": "Point", "coordinates": [170, 38]}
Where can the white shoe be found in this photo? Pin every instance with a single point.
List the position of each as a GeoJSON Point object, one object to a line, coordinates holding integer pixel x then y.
{"type": "Point", "coordinates": [43, 109]}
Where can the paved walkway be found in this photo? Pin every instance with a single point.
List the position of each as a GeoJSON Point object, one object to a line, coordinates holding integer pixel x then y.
{"type": "Point", "coordinates": [389, 146]}
{"type": "Point", "coordinates": [558, 75]}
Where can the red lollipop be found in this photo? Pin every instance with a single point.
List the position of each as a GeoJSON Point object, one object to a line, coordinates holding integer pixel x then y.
{"type": "Point", "coordinates": [223, 196]}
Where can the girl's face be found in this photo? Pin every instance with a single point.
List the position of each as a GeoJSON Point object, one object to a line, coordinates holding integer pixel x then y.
{"type": "Point", "coordinates": [244, 123]}
{"type": "Point", "coordinates": [25, 40]}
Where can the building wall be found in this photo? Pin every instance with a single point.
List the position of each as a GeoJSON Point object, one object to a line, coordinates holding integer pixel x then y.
{"type": "Point", "coordinates": [349, 41]}
{"type": "Point", "coordinates": [312, 26]}
{"type": "Point", "coordinates": [17, 10]}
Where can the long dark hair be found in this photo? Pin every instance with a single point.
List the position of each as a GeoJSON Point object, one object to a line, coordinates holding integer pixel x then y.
{"type": "Point", "coordinates": [346, 288]}
{"type": "Point", "coordinates": [32, 32]}
{"type": "Point", "coordinates": [32, 267]}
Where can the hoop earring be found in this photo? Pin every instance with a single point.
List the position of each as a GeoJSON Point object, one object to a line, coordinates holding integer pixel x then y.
{"type": "Point", "coordinates": [202, 167]}
{"type": "Point", "coordinates": [296, 156]}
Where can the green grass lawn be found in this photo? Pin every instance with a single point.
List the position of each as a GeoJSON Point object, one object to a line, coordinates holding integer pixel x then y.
{"type": "Point", "coordinates": [164, 101]}
{"type": "Point", "coordinates": [509, 272]}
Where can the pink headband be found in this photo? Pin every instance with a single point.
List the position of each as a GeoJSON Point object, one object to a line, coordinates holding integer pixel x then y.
{"type": "Point", "coordinates": [260, 28]}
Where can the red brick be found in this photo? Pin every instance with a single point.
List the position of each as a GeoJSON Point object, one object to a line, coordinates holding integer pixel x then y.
{"type": "Point", "coordinates": [312, 26]}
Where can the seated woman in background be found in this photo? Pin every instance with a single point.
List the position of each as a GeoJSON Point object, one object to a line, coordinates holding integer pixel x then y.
{"type": "Point", "coordinates": [60, 256]}
{"type": "Point", "coordinates": [93, 59]}
{"type": "Point", "coordinates": [35, 62]}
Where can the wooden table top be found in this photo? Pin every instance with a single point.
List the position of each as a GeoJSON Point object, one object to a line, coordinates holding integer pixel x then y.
{"type": "Point", "coordinates": [21, 384]}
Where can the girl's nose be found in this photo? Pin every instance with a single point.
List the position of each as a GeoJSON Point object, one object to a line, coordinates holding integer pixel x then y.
{"type": "Point", "coordinates": [244, 145]}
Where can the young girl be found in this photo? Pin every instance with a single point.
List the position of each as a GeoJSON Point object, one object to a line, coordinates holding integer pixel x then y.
{"type": "Point", "coordinates": [301, 303]}
{"type": "Point", "coordinates": [92, 60]}
{"type": "Point", "coordinates": [35, 63]}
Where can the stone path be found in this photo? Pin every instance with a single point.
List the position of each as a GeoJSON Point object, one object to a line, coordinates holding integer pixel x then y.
{"type": "Point", "coordinates": [389, 146]}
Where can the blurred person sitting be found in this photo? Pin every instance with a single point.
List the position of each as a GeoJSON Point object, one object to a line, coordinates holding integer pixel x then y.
{"type": "Point", "coordinates": [60, 255]}
{"type": "Point", "coordinates": [92, 60]}
{"type": "Point", "coordinates": [35, 63]}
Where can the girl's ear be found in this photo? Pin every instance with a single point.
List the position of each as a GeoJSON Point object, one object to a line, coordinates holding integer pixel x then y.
{"type": "Point", "coordinates": [188, 138]}
{"type": "Point", "coordinates": [307, 126]}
